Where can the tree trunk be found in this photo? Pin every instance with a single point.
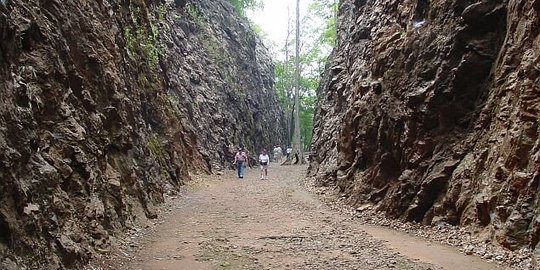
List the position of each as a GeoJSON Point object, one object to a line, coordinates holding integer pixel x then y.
{"type": "Point", "coordinates": [288, 84]}
{"type": "Point", "coordinates": [297, 153]}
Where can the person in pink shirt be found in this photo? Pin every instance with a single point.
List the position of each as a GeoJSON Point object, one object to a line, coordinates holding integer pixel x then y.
{"type": "Point", "coordinates": [239, 159]}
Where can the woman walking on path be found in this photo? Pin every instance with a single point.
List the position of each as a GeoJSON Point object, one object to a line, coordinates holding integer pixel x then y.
{"type": "Point", "coordinates": [263, 160]}
{"type": "Point", "coordinates": [239, 160]}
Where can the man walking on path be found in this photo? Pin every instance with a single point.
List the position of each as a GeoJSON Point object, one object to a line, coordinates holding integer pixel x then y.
{"type": "Point", "coordinates": [239, 160]}
{"type": "Point", "coordinates": [264, 159]}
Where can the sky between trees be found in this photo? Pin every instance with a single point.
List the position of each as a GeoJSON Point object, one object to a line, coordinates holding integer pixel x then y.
{"type": "Point", "coordinates": [273, 18]}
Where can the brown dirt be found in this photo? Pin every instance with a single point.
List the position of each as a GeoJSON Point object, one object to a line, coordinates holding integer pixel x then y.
{"type": "Point", "coordinates": [221, 222]}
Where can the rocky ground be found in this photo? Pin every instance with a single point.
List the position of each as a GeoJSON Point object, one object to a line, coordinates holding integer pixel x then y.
{"type": "Point", "coordinates": [443, 233]}
{"type": "Point", "coordinates": [221, 222]}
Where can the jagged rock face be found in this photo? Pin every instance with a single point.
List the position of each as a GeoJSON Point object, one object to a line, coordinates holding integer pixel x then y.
{"type": "Point", "coordinates": [107, 105]}
{"type": "Point", "coordinates": [218, 52]}
{"type": "Point", "coordinates": [431, 110]}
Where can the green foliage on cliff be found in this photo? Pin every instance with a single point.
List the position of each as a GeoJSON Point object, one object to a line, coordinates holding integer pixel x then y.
{"type": "Point", "coordinates": [154, 143]}
{"type": "Point", "coordinates": [141, 36]}
{"type": "Point", "coordinates": [242, 5]}
{"type": "Point", "coordinates": [257, 29]}
{"type": "Point", "coordinates": [193, 11]}
{"type": "Point", "coordinates": [137, 39]}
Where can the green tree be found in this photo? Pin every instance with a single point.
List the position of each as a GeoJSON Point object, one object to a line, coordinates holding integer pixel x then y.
{"type": "Point", "coordinates": [315, 49]}
{"type": "Point", "coordinates": [307, 103]}
{"type": "Point", "coordinates": [327, 12]}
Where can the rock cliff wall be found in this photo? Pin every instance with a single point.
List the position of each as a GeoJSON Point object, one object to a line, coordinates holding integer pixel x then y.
{"type": "Point", "coordinates": [106, 105]}
{"type": "Point", "coordinates": [431, 111]}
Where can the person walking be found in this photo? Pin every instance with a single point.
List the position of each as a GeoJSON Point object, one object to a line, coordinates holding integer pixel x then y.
{"type": "Point", "coordinates": [239, 158]}
{"type": "Point", "coordinates": [278, 153]}
{"type": "Point", "coordinates": [264, 159]}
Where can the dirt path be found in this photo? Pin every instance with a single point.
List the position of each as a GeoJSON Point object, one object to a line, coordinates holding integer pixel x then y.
{"type": "Point", "coordinates": [228, 223]}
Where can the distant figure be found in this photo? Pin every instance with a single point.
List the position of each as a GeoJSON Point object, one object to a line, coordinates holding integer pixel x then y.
{"type": "Point", "coordinates": [278, 153]}
{"type": "Point", "coordinates": [239, 159]}
{"type": "Point", "coordinates": [289, 150]}
{"type": "Point", "coordinates": [264, 159]}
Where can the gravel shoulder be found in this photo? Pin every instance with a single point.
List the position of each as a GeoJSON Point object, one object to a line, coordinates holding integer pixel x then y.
{"type": "Point", "coordinates": [221, 222]}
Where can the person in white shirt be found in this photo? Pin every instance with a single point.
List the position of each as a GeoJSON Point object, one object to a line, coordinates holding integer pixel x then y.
{"type": "Point", "coordinates": [278, 153]}
{"type": "Point", "coordinates": [264, 159]}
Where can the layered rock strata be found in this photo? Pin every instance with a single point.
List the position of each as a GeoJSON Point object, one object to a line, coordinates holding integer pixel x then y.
{"type": "Point", "coordinates": [430, 110]}
{"type": "Point", "coordinates": [107, 105]}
